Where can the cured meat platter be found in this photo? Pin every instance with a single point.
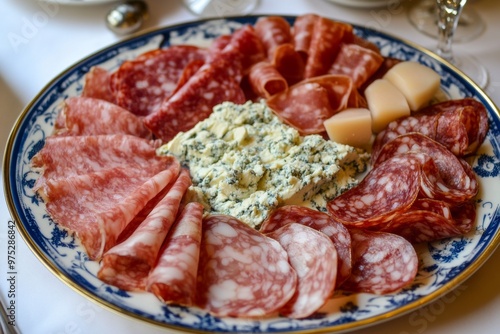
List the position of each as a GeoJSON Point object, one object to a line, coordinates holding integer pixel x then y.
{"type": "Point", "coordinates": [443, 265]}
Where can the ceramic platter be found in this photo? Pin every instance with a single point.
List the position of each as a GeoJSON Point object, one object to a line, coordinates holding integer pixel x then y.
{"type": "Point", "coordinates": [443, 265]}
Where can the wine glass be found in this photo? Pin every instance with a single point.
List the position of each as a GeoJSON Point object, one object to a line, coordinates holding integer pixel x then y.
{"type": "Point", "coordinates": [423, 15]}
{"type": "Point", "coordinates": [448, 15]}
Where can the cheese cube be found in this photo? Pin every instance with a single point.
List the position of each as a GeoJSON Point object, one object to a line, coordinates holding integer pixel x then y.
{"type": "Point", "coordinates": [352, 127]}
{"type": "Point", "coordinates": [418, 83]}
{"type": "Point", "coordinates": [386, 103]}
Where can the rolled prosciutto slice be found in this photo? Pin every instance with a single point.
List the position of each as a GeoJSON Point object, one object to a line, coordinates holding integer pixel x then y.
{"type": "Point", "coordinates": [242, 273]}
{"type": "Point", "coordinates": [173, 279]}
{"type": "Point", "coordinates": [84, 116]}
{"type": "Point", "coordinates": [128, 264]}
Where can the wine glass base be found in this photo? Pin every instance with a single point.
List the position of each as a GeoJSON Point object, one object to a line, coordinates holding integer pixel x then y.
{"type": "Point", "coordinates": [423, 15]}
{"type": "Point", "coordinates": [472, 68]}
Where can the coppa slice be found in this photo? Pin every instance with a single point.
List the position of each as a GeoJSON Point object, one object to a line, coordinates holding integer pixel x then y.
{"type": "Point", "coordinates": [382, 262]}
{"type": "Point", "coordinates": [314, 258]}
{"type": "Point", "coordinates": [242, 273]}
{"type": "Point", "coordinates": [173, 279]}
{"type": "Point", "coordinates": [319, 221]}
{"type": "Point", "coordinates": [89, 116]}
{"type": "Point", "coordinates": [98, 206]}
{"type": "Point", "coordinates": [128, 264]}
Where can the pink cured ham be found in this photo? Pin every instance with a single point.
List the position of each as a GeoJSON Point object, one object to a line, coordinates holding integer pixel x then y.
{"type": "Point", "coordinates": [314, 258]}
{"type": "Point", "coordinates": [430, 220]}
{"type": "Point", "coordinates": [357, 62]}
{"type": "Point", "coordinates": [307, 104]}
{"type": "Point", "coordinates": [382, 262]}
{"type": "Point", "coordinates": [212, 84]}
{"type": "Point", "coordinates": [460, 125]}
{"type": "Point", "coordinates": [302, 32]}
{"type": "Point", "coordinates": [99, 205]}
{"type": "Point", "coordinates": [273, 31]}
{"type": "Point", "coordinates": [385, 192]}
{"type": "Point", "coordinates": [321, 222]}
{"type": "Point", "coordinates": [63, 157]}
{"type": "Point", "coordinates": [141, 85]}
{"type": "Point", "coordinates": [128, 264]}
{"type": "Point", "coordinates": [265, 80]}
{"type": "Point", "coordinates": [241, 273]}
{"type": "Point", "coordinates": [97, 84]}
{"type": "Point", "coordinates": [84, 116]}
{"type": "Point", "coordinates": [325, 43]}
{"type": "Point", "coordinates": [173, 280]}
{"type": "Point", "coordinates": [447, 178]}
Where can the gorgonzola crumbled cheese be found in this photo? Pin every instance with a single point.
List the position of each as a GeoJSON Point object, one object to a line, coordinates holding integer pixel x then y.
{"type": "Point", "coordinates": [245, 162]}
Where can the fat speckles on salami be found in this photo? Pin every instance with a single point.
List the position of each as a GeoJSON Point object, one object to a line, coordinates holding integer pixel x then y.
{"type": "Point", "coordinates": [242, 273]}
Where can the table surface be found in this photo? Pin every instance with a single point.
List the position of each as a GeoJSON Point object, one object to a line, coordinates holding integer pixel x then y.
{"type": "Point", "coordinates": [39, 42]}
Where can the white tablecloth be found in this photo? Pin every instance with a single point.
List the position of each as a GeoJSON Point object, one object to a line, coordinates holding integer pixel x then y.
{"type": "Point", "coordinates": [38, 42]}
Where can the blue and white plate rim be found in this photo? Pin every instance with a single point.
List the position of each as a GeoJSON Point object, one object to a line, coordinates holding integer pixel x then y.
{"type": "Point", "coordinates": [33, 223]}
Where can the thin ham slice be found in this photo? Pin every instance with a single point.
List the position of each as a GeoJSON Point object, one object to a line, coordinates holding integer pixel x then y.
{"type": "Point", "coordinates": [128, 264]}
{"type": "Point", "coordinates": [83, 116]}
{"type": "Point", "coordinates": [173, 280]}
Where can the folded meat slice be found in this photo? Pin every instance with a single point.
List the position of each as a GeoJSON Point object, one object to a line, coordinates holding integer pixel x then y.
{"type": "Point", "coordinates": [90, 116]}
{"type": "Point", "coordinates": [128, 264]}
{"type": "Point", "coordinates": [98, 206]}
{"type": "Point", "coordinates": [173, 279]}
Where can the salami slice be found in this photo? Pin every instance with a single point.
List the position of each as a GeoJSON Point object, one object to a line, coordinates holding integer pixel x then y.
{"type": "Point", "coordinates": [141, 85]}
{"type": "Point", "coordinates": [273, 31]}
{"type": "Point", "coordinates": [302, 31]}
{"type": "Point", "coordinates": [386, 191]}
{"type": "Point", "coordinates": [382, 262]}
{"type": "Point", "coordinates": [307, 104]}
{"type": "Point", "coordinates": [173, 280]}
{"type": "Point", "coordinates": [289, 63]}
{"type": "Point", "coordinates": [448, 178]}
{"type": "Point", "coordinates": [314, 258]}
{"type": "Point", "coordinates": [98, 206]}
{"type": "Point", "coordinates": [265, 80]}
{"type": "Point", "coordinates": [242, 273]}
{"type": "Point", "coordinates": [319, 221]}
{"type": "Point", "coordinates": [97, 84]}
{"type": "Point", "coordinates": [84, 116]}
{"type": "Point", "coordinates": [460, 125]}
{"type": "Point", "coordinates": [127, 265]}
{"type": "Point", "coordinates": [357, 62]}
{"type": "Point", "coordinates": [325, 44]}
{"type": "Point", "coordinates": [430, 220]}
{"type": "Point", "coordinates": [212, 84]}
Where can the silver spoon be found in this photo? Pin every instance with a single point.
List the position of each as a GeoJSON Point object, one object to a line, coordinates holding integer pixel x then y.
{"type": "Point", "coordinates": [127, 17]}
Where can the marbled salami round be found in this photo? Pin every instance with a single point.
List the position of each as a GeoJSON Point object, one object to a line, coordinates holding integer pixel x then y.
{"type": "Point", "coordinates": [382, 262]}
{"type": "Point", "coordinates": [319, 221]}
{"type": "Point", "coordinates": [97, 84]}
{"type": "Point", "coordinates": [242, 273]}
{"type": "Point", "coordinates": [273, 31]}
{"type": "Point", "coordinates": [314, 258]}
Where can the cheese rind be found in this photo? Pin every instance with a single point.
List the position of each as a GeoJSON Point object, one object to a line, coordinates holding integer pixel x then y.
{"type": "Point", "coordinates": [352, 126]}
{"type": "Point", "coordinates": [386, 103]}
{"type": "Point", "coordinates": [418, 83]}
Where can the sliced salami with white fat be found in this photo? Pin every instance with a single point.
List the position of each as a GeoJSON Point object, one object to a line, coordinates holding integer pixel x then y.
{"type": "Point", "coordinates": [173, 279]}
{"type": "Point", "coordinates": [382, 262]}
{"type": "Point", "coordinates": [128, 264]}
{"type": "Point", "coordinates": [314, 258]}
{"type": "Point", "coordinates": [319, 221]}
{"type": "Point", "coordinates": [242, 273]}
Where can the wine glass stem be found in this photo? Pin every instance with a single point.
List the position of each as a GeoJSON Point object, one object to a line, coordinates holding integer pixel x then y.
{"type": "Point", "coordinates": [448, 14]}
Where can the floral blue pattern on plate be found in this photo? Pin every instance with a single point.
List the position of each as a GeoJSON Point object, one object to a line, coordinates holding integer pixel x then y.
{"type": "Point", "coordinates": [443, 264]}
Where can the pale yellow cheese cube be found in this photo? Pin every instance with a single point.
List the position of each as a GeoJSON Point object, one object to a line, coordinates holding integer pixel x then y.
{"type": "Point", "coordinates": [418, 83]}
{"type": "Point", "coordinates": [352, 127]}
{"type": "Point", "coordinates": [386, 103]}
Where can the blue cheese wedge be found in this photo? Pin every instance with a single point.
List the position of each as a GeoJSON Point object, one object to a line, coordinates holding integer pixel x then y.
{"type": "Point", "coordinates": [245, 162]}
